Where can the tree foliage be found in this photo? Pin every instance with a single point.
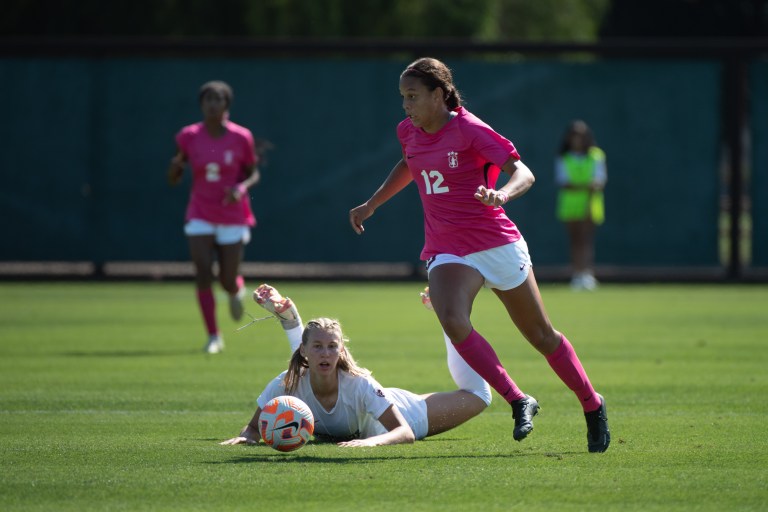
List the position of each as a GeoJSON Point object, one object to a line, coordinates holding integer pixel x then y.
{"type": "Point", "coordinates": [488, 20]}
{"type": "Point", "coordinates": [483, 20]}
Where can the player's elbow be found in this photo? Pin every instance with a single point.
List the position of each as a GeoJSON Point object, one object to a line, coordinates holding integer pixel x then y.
{"type": "Point", "coordinates": [408, 436]}
{"type": "Point", "coordinates": [530, 179]}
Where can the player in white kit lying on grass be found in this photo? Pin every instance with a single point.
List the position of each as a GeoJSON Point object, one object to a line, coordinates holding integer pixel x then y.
{"type": "Point", "coordinates": [349, 406]}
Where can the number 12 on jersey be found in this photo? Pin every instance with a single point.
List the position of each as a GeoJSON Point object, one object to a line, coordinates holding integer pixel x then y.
{"type": "Point", "coordinates": [433, 182]}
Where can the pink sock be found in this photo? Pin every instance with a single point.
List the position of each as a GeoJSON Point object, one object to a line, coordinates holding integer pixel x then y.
{"type": "Point", "coordinates": [240, 282]}
{"type": "Point", "coordinates": [567, 366]}
{"type": "Point", "coordinates": [208, 309]}
{"type": "Point", "coordinates": [481, 357]}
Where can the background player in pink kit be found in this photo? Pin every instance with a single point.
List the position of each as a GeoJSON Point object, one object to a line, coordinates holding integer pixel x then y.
{"type": "Point", "coordinates": [455, 159]}
{"type": "Point", "coordinates": [218, 219]}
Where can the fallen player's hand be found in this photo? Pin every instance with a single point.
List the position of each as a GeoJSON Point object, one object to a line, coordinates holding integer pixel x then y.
{"type": "Point", "coordinates": [239, 440]}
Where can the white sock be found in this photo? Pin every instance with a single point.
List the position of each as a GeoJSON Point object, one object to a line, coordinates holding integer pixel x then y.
{"type": "Point", "coordinates": [294, 336]}
{"type": "Point", "coordinates": [464, 376]}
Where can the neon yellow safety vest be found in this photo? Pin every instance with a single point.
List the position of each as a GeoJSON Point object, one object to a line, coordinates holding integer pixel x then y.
{"type": "Point", "coordinates": [581, 204]}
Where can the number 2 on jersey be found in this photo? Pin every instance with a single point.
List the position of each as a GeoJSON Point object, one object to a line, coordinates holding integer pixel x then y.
{"type": "Point", "coordinates": [212, 172]}
{"type": "Point", "coordinates": [433, 182]}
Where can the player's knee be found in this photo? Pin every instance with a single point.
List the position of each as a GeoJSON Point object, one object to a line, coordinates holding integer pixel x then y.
{"type": "Point", "coordinates": [204, 281]}
{"type": "Point", "coordinates": [229, 285]}
{"type": "Point", "coordinates": [457, 327]}
{"type": "Point", "coordinates": [484, 394]}
{"type": "Point", "coordinates": [545, 340]}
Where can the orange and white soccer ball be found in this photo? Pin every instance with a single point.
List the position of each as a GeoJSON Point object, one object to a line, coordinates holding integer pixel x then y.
{"type": "Point", "coordinates": [286, 423]}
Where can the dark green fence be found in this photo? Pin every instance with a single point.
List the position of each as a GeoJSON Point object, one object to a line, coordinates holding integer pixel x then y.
{"type": "Point", "coordinates": [86, 142]}
{"type": "Point", "coordinates": [759, 167]}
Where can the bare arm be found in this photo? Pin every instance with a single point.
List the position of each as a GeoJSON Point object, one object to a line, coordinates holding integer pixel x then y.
{"type": "Point", "coordinates": [237, 192]}
{"type": "Point", "coordinates": [520, 180]}
{"type": "Point", "coordinates": [176, 167]}
{"type": "Point", "coordinates": [249, 434]}
{"type": "Point", "coordinates": [251, 172]}
{"type": "Point", "coordinates": [397, 180]}
{"type": "Point", "coordinates": [394, 422]}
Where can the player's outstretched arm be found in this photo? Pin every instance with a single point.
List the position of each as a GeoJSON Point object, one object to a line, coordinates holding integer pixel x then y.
{"type": "Point", "coordinates": [176, 168]}
{"type": "Point", "coordinates": [249, 434]}
{"type": "Point", "coordinates": [399, 431]}
{"type": "Point", "coordinates": [397, 180]}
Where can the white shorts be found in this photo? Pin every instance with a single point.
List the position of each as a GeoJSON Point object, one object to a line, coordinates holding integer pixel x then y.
{"type": "Point", "coordinates": [503, 267]}
{"type": "Point", "coordinates": [226, 234]}
{"type": "Point", "coordinates": [414, 410]}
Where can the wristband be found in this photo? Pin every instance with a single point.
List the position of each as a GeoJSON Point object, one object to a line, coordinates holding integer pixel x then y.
{"type": "Point", "coordinates": [242, 189]}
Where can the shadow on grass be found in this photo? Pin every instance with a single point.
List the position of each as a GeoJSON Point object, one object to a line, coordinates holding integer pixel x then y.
{"type": "Point", "coordinates": [315, 442]}
{"type": "Point", "coordinates": [269, 455]}
{"type": "Point", "coordinates": [271, 458]}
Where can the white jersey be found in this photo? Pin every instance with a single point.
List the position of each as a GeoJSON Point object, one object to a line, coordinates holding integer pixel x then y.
{"type": "Point", "coordinates": [361, 401]}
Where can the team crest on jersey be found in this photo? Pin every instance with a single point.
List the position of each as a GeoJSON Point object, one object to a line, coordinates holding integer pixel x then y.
{"type": "Point", "coordinates": [453, 159]}
{"type": "Point", "coordinates": [229, 157]}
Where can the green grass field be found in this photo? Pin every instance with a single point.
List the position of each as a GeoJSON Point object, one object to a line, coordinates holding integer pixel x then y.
{"type": "Point", "coordinates": [108, 403]}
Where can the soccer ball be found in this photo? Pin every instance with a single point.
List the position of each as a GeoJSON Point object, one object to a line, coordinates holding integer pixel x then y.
{"type": "Point", "coordinates": [286, 423]}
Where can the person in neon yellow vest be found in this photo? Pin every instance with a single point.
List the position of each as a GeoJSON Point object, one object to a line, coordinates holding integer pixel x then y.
{"type": "Point", "coordinates": [580, 175]}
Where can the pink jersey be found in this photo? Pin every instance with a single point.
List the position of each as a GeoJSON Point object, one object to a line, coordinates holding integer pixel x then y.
{"type": "Point", "coordinates": [217, 166]}
{"type": "Point", "coordinates": [447, 167]}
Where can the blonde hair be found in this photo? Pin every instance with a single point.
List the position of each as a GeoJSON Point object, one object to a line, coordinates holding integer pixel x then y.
{"type": "Point", "coordinates": [298, 363]}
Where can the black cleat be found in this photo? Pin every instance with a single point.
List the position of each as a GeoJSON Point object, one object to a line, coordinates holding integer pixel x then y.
{"type": "Point", "coordinates": [598, 435]}
{"type": "Point", "coordinates": [523, 411]}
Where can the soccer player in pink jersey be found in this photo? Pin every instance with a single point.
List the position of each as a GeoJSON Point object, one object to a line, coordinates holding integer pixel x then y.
{"type": "Point", "coordinates": [224, 163]}
{"type": "Point", "coordinates": [455, 159]}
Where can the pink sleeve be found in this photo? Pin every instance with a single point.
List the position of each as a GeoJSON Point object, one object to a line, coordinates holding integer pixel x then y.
{"type": "Point", "coordinates": [250, 156]}
{"type": "Point", "coordinates": [182, 139]}
{"type": "Point", "coordinates": [492, 146]}
{"type": "Point", "coordinates": [401, 135]}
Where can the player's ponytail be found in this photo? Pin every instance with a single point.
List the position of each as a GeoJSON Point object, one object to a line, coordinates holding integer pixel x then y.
{"type": "Point", "coordinates": [296, 367]}
{"type": "Point", "coordinates": [453, 98]}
